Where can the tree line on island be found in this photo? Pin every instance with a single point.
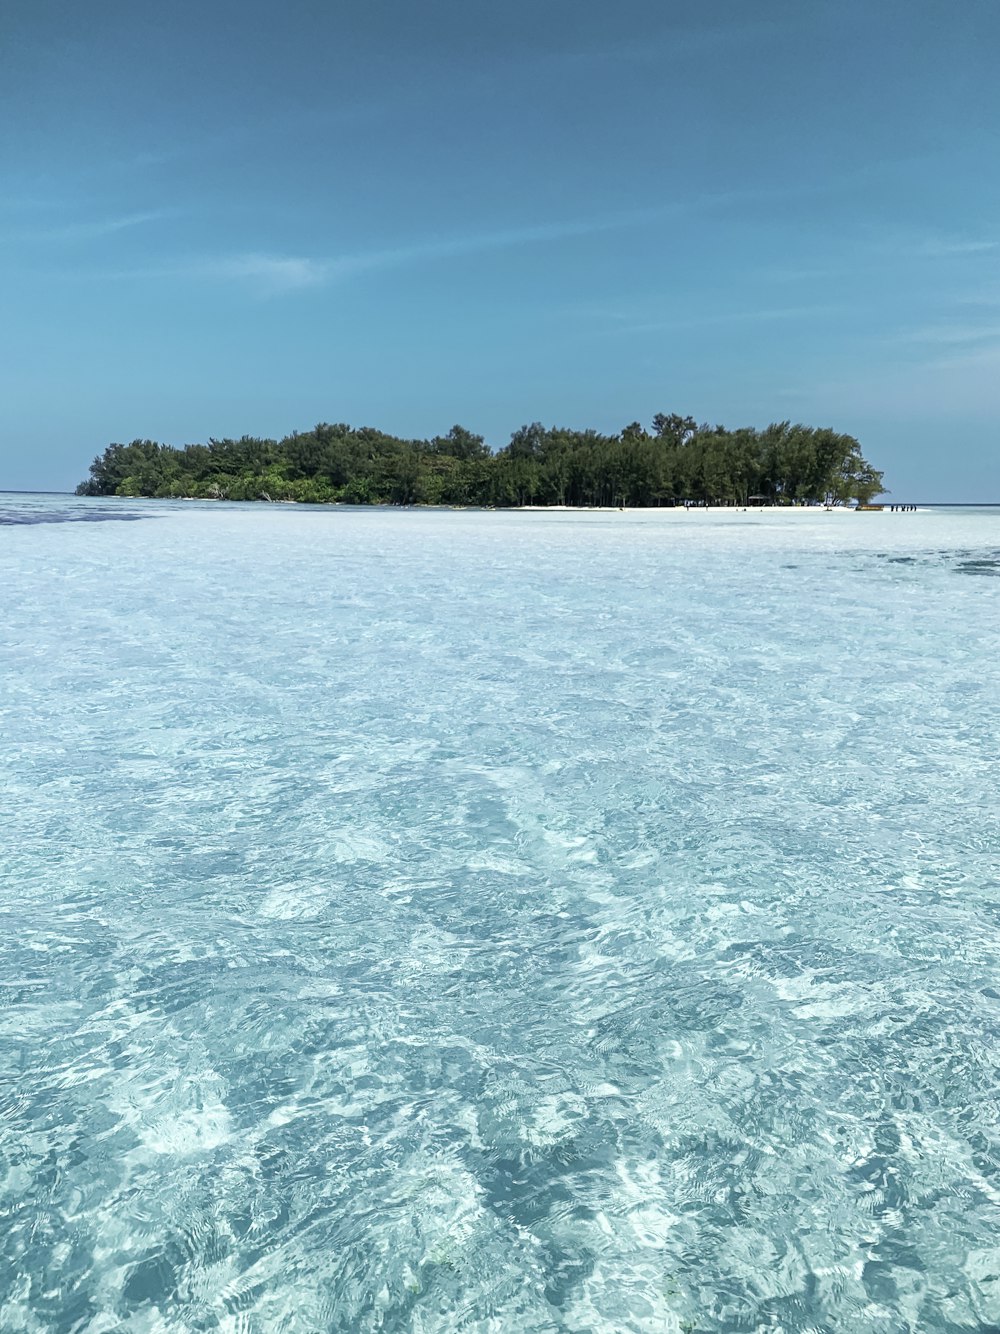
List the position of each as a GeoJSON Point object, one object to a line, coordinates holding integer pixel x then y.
{"type": "Point", "coordinates": [677, 462]}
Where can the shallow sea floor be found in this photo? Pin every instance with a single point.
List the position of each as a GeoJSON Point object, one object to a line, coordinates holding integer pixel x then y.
{"type": "Point", "coordinates": [498, 922]}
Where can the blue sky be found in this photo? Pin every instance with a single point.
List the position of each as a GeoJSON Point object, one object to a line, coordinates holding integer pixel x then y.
{"type": "Point", "coordinates": [232, 218]}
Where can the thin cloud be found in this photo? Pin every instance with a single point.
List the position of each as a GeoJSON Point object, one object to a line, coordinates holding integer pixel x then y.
{"type": "Point", "coordinates": [94, 230]}
{"type": "Point", "coordinates": [944, 247]}
{"type": "Point", "coordinates": [871, 255]}
{"type": "Point", "coordinates": [982, 354]}
{"type": "Point", "coordinates": [790, 274]}
{"type": "Point", "coordinates": [266, 272]}
{"type": "Point", "coordinates": [948, 335]}
{"type": "Point", "coordinates": [205, 145]}
{"type": "Point", "coordinates": [541, 233]}
{"type": "Point", "coordinates": [668, 43]}
{"type": "Point", "coordinates": [279, 273]}
{"type": "Point", "coordinates": [982, 298]}
{"type": "Point", "coordinates": [289, 273]}
{"type": "Point", "coordinates": [763, 316]}
{"type": "Point", "coordinates": [276, 272]}
{"type": "Point", "coordinates": [25, 203]}
{"type": "Point", "coordinates": [481, 242]}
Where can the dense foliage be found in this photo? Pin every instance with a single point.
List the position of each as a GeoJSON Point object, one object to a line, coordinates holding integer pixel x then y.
{"type": "Point", "coordinates": [675, 462]}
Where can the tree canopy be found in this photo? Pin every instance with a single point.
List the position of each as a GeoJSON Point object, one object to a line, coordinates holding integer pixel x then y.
{"type": "Point", "coordinates": [678, 461]}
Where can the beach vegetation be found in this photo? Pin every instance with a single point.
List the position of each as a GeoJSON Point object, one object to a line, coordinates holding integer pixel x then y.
{"type": "Point", "coordinates": [675, 462]}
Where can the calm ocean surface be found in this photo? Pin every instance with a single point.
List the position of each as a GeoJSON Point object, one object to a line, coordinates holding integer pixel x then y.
{"type": "Point", "coordinates": [426, 922]}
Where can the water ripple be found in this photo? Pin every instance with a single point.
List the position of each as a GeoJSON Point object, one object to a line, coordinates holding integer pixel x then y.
{"type": "Point", "coordinates": [531, 928]}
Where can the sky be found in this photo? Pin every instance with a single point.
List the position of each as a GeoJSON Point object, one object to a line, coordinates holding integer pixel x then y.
{"type": "Point", "coordinates": [245, 218]}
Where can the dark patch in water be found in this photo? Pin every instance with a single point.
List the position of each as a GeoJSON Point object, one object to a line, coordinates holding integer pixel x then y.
{"type": "Point", "coordinates": [961, 560]}
{"type": "Point", "coordinates": [987, 567]}
{"type": "Point", "coordinates": [9, 518]}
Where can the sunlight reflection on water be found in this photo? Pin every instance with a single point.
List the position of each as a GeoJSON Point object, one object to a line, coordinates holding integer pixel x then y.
{"type": "Point", "coordinates": [431, 921]}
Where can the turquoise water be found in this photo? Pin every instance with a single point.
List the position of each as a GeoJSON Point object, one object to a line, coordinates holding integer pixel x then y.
{"type": "Point", "coordinates": [498, 922]}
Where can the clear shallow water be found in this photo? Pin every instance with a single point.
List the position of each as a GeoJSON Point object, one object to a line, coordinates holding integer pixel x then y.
{"type": "Point", "coordinates": [418, 921]}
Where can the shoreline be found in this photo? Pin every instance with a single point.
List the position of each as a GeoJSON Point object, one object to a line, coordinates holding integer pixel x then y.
{"type": "Point", "coordinates": [504, 509]}
{"type": "Point", "coordinates": [686, 509]}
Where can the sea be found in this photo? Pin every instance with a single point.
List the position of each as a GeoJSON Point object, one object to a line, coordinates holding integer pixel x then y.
{"type": "Point", "coordinates": [441, 921]}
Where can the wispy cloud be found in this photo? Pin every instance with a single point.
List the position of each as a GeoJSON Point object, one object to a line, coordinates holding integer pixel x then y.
{"type": "Point", "coordinates": [982, 353]}
{"type": "Point", "coordinates": [945, 247]}
{"type": "Point", "coordinates": [289, 273]}
{"type": "Point", "coordinates": [46, 185]}
{"type": "Point", "coordinates": [873, 251]}
{"type": "Point", "coordinates": [765, 315]}
{"type": "Point", "coordinates": [481, 242]}
{"type": "Point", "coordinates": [92, 230]}
{"type": "Point", "coordinates": [672, 42]}
{"type": "Point", "coordinates": [804, 273]}
{"type": "Point", "coordinates": [950, 334]}
{"type": "Point", "coordinates": [276, 272]}
{"type": "Point", "coordinates": [981, 298]}
{"type": "Point", "coordinates": [25, 203]}
{"type": "Point", "coordinates": [948, 346]}
{"type": "Point", "coordinates": [273, 272]}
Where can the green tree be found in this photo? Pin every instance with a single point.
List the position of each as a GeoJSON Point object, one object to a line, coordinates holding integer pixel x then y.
{"type": "Point", "coordinates": [789, 463]}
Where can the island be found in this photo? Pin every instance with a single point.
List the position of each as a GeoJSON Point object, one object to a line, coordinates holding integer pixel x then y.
{"type": "Point", "coordinates": [675, 462]}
